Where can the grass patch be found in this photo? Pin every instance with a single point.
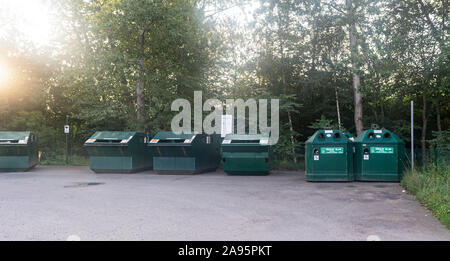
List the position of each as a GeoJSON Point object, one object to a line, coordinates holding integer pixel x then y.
{"type": "Point", "coordinates": [288, 165]}
{"type": "Point", "coordinates": [60, 161]}
{"type": "Point", "coordinates": [431, 186]}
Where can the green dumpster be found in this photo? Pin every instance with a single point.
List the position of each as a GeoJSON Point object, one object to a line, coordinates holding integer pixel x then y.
{"type": "Point", "coordinates": [329, 156]}
{"type": "Point", "coordinates": [18, 150]}
{"type": "Point", "coordinates": [118, 152]}
{"type": "Point", "coordinates": [185, 153]}
{"type": "Point", "coordinates": [379, 156]}
{"type": "Point", "coordinates": [246, 154]}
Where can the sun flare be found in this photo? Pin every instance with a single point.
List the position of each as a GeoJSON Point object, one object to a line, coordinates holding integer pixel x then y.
{"type": "Point", "coordinates": [31, 18]}
{"type": "Point", "coordinates": [4, 75]}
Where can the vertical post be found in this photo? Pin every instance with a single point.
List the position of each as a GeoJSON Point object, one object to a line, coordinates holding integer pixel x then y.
{"type": "Point", "coordinates": [412, 135]}
{"type": "Point", "coordinates": [67, 141]}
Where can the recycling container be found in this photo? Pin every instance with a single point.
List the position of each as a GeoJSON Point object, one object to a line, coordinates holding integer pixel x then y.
{"type": "Point", "coordinates": [18, 150]}
{"type": "Point", "coordinates": [246, 154]}
{"type": "Point", "coordinates": [185, 153]}
{"type": "Point", "coordinates": [379, 156]}
{"type": "Point", "coordinates": [329, 156]}
{"type": "Point", "coordinates": [118, 152]}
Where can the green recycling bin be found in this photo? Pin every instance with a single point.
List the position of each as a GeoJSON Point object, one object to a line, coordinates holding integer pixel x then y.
{"type": "Point", "coordinates": [379, 156]}
{"type": "Point", "coordinates": [329, 156]}
{"type": "Point", "coordinates": [118, 152]}
{"type": "Point", "coordinates": [185, 153]}
{"type": "Point", "coordinates": [246, 154]}
{"type": "Point", "coordinates": [18, 150]}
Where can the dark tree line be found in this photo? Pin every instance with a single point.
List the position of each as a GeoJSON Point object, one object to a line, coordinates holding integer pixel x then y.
{"type": "Point", "coordinates": [118, 65]}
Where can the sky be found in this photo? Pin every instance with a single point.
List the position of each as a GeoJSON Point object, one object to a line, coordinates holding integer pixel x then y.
{"type": "Point", "coordinates": [30, 18]}
{"type": "Point", "coordinates": [34, 21]}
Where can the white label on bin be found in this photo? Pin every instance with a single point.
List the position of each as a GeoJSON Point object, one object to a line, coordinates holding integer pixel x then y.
{"type": "Point", "coordinates": [328, 131]}
{"type": "Point", "coordinates": [332, 150]}
{"type": "Point", "coordinates": [316, 157]}
{"type": "Point", "coordinates": [226, 142]}
{"type": "Point", "coordinates": [90, 141]}
{"type": "Point", "coordinates": [263, 141]}
{"type": "Point", "coordinates": [366, 157]}
{"type": "Point", "coordinates": [382, 150]}
{"type": "Point", "coordinates": [378, 136]}
{"type": "Point", "coordinates": [378, 131]}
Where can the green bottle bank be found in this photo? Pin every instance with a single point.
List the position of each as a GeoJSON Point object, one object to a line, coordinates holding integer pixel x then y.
{"type": "Point", "coordinates": [379, 156]}
{"type": "Point", "coordinates": [329, 156]}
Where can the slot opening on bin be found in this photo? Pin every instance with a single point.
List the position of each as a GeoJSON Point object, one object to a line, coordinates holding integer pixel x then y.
{"type": "Point", "coordinates": [9, 141]}
{"type": "Point", "coordinates": [172, 141]}
{"type": "Point", "coordinates": [108, 141]}
{"type": "Point", "coordinates": [245, 141]}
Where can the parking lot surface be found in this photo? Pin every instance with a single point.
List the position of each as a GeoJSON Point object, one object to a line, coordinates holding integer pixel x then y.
{"type": "Point", "coordinates": [60, 203]}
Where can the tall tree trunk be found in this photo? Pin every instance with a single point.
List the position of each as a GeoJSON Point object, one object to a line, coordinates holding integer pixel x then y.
{"type": "Point", "coordinates": [336, 94]}
{"type": "Point", "coordinates": [291, 128]}
{"type": "Point", "coordinates": [140, 102]}
{"type": "Point", "coordinates": [292, 136]}
{"type": "Point", "coordinates": [375, 113]}
{"type": "Point", "coordinates": [358, 116]}
{"type": "Point", "coordinates": [337, 106]}
{"type": "Point", "coordinates": [283, 77]}
{"type": "Point", "coordinates": [424, 126]}
{"type": "Point", "coordinates": [438, 115]}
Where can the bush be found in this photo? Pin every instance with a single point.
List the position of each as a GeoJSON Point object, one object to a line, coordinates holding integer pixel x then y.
{"type": "Point", "coordinates": [431, 186]}
{"type": "Point", "coordinates": [59, 160]}
{"type": "Point", "coordinates": [287, 164]}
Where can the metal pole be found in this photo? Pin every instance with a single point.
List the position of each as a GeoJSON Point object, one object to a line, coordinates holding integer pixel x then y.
{"type": "Point", "coordinates": [67, 142]}
{"type": "Point", "coordinates": [412, 135]}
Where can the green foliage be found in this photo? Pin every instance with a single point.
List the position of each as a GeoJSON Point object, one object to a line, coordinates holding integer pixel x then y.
{"type": "Point", "coordinates": [323, 123]}
{"type": "Point", "coordinates": [294, 50]}
{"type": "Point", "coordinates": [441, 140]}
{"type": "Point", "coordinates": [431, 186]}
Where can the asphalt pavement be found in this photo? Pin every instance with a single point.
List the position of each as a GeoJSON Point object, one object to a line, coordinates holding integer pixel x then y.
{"type": "Point", "coordinates": [73, 203]}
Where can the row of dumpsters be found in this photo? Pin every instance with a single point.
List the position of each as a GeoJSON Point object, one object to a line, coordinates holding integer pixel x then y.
{"type": "Point", "coordinates": [331, 155]}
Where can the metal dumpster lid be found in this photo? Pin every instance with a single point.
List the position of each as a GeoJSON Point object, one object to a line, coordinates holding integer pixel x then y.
{"type": "Point", "coordinates": [379, 136]}
{"type": "Point", "coordinates": [328, 136]}
{"type": "Point", "coordinates": [247, 136]}
{"type": "Point", "coordinates": [166, 135]}
{"type": "Point", "coordinates": [14, 135]}
{"type": "Point", "coordinates": [113, 135]}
